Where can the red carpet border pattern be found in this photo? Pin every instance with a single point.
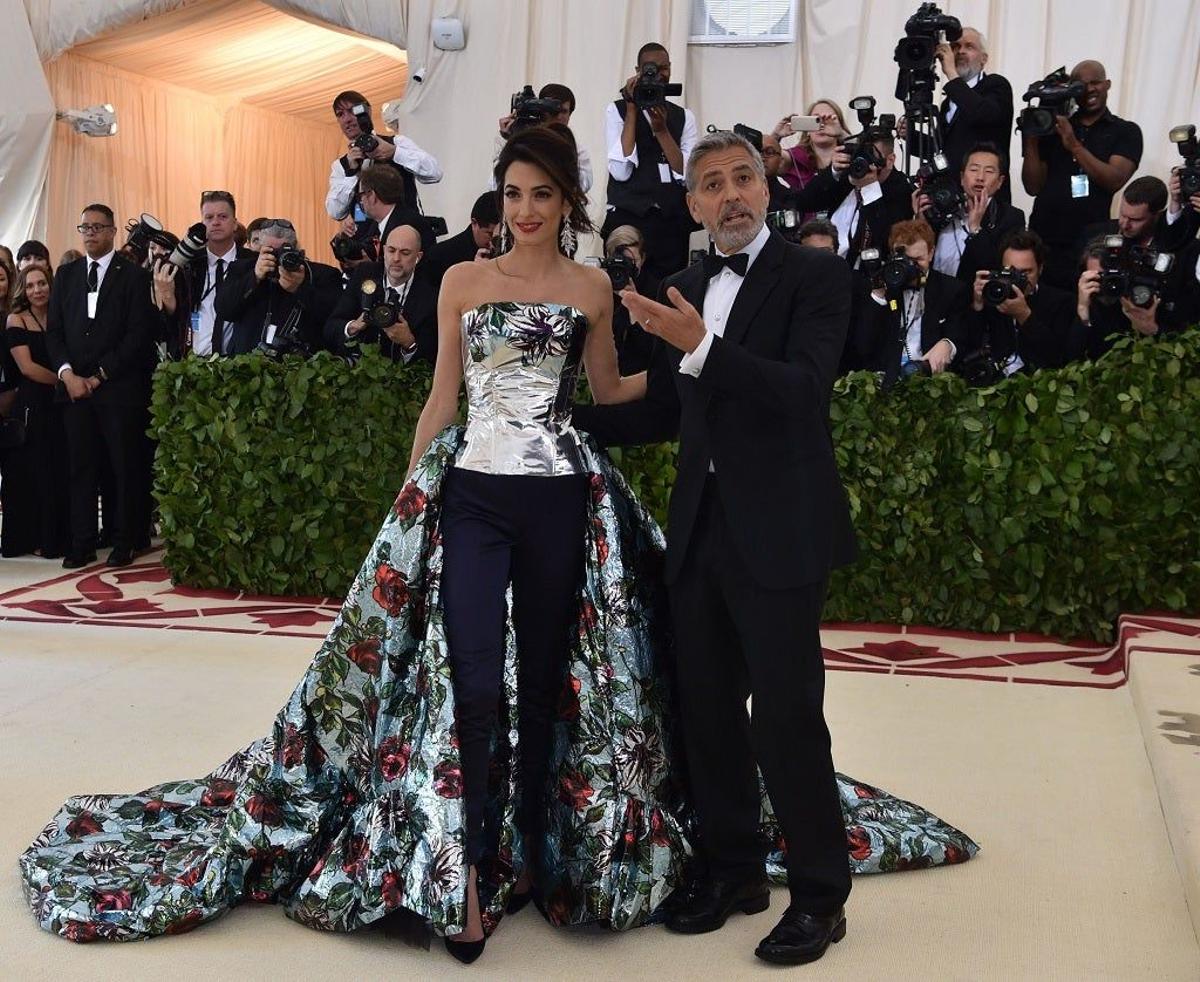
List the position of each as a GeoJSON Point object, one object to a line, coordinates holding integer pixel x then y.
{"type": "Point", "coordinates": [142, 596]}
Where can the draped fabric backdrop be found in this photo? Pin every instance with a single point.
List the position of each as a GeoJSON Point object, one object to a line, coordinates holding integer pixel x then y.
{"type": "Point", "coordinates": [843, 48]}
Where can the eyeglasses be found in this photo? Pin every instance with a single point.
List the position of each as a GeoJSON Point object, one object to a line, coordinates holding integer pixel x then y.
{"type": "Point", "coordinates": [85, 229]}
{"type": "Point", "coordinates": [281, 222]}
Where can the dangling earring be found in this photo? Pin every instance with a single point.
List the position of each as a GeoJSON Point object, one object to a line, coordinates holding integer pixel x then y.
{"type": "Point", "coordinates": [505, 237]}
{"type": "Point", "coordinates": [567, 240]}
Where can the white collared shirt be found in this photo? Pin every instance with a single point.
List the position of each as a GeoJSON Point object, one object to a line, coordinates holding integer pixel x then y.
{"type": "Point", "coordinates": [202, 336]}
{"type": "Point", "coordinates": [721, 292]}
{"type": "Point", "coordinates": [952, 109]}
{"type": "Point", "coordinates": [620, 166]}
{"type": "Point", "coordinates": [422, 164]}
{"type": "Point", "coordinates": [951, 243]}
{"type": "Point", "coordinates": [848, 214]}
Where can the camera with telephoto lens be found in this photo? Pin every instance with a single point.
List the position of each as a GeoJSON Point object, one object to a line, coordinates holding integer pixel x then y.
{"type": "Point", "coordinates": [1056, 96]}
{"type": "Point", "coordinates": [347, 249]}
{"type": "Point", "coordinates": [1184, 137]}
{"type": "Point", "coordinates": [366, 140]}
{"type": "Point", "coordinates": [377, 311]}
{"type": "Point", "coordinates": [650, 91]}
{"type": "Point", "coordinates": [190, 247]}
{"type": "Point", "coordinates": [528, 110]}
{"type": "Point", "coordinates": [1004, 284]}
{"type": "Point", "coordinates": [980, 368]}
{"type": "Point", "coordinates": [896, 273]}
{"type": "Point", "coordinates": [140, 232]}
{"type": "Point", "coordinates": [944, 190]}
{"type": "Point", "coordinates": [1133, 272]}
{"type": "Point", "coordinates": [863, 153]}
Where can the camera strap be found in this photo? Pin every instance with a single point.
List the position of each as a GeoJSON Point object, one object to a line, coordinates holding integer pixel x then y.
{"type": "Point", "coordinates": [912, 310]}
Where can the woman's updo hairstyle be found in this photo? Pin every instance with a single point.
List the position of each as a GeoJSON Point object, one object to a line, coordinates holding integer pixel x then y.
{"type": "Point", "coordinates": [549, 151]}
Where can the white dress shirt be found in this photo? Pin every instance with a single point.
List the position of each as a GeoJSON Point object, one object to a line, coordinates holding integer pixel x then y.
{"type": "Point", "coordinates": [914, 313]}
{"type": "Point", "coordinates": [620, 166]}
{"type": "Point", "coordinates": [102, 265]}
{"type": "Point", "coordinates": [848, 214]}
{"type": "Point", "coordinates": [719, 296]}
{"type": "Point", "coordinates": [951, 242]}
{"type": "Point", "coordinates": [952, 109]}
{"type": "Point", "coordinates": [423, 165]}
{"type": "Point", "coordinates": [203, 332]}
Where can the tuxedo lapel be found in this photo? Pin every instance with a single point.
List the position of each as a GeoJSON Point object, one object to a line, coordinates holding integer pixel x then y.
{"type": "Point", "coordinates": [761, 278]}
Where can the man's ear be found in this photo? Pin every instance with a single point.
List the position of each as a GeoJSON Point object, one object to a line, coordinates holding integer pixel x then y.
{"type": "Point", "coordinates": [694, 209]}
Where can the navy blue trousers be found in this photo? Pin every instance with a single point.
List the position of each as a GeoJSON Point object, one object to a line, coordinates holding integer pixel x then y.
{"type": "Point", "coordinates": [527, 531]}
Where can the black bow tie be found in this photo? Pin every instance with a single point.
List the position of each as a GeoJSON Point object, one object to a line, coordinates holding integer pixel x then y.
{"type": "Point", "coordinates": [713, 264]}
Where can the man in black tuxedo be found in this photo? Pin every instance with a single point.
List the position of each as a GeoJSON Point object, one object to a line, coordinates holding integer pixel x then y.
{"type": "Point", "coordinates": [381, 194]}
{"type": "Point", "coordinates": [863, 209]}
{"type": "Point", "coordinates": [464, 247]}
{"type": "Point", "coordinates": [395, 281]}
{"type": "Point", "coordinates": [970, 241]}
{"type": "Point", "coordinates": [100, 332]}
{"type": "Point", "coordinates": [920, 327]}
{"type": "Point", "coordinates": [758, 518]}
{"type": "Point", "coordinates": [261, 300]}
{"type": "Point", "coordinates": [978, 107]}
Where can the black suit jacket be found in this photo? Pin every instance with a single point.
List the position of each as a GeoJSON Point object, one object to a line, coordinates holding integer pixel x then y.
{"type": "Point", "coordinates": [119, 340]}
{"type": "Point", "coordinates": [984, 114]}
{"type": "Point", "coordinates": [826, 193]}
{"type": "Point", "coordinates": [420, 310]}
{"type": "Point", "coordinates": [982, 250]}
{"type": "Point", "coordinates": [878, 330]}
{"type": "Point", "coordinates": [460, 248]}
{"type": "Point", "coordinates": [1051, 337]}
{"type": "Point", "coordinates": [251, 305]}
{"type": "Point", "coordinates": [760, 413]}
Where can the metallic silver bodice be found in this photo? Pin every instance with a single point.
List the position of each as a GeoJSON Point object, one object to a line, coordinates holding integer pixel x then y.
{"type": "Point", "coordinates": [521, 365]}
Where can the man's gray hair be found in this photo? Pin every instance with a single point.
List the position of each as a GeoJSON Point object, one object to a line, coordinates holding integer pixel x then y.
{"type": "Point", "coordinates": [720, 140]}
{"type": "Point", "coordinates": [277, 232]}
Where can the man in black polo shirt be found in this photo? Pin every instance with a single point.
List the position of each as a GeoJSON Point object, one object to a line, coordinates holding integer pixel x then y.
{"type": "Point", "coordinates": [647, 151]}
{"type": "Point", "coordinates": [1074, 174]}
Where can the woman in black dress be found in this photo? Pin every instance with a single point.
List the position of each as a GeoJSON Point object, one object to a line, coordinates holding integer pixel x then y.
{"type": "Point", "coordinates": [35, 478]}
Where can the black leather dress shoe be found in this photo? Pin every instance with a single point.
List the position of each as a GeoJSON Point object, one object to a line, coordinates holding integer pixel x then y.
{"type": "Point", "coordinates": [466, 951]}
{"type": "Point", "coordinates": [77, 560]}
{"type": "Point", "coordinates": [119, 557]}
{"type": "Point", "coordinates": [801, 937]}
{"type": "Point", "coordinates": [710, 902]}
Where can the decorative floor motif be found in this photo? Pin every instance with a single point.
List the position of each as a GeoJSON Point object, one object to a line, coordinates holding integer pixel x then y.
{"type": "Point", "coordinates": [142, 596]}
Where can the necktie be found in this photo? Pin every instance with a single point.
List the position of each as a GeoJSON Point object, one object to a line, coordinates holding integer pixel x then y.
{"type": "Point", "coordinates": [93, 278]}
{"type": "Point", "coordinates": [859, 235]}
{"type": "Point", "coordinates": [713, 264]}
{"type": "Point", "coordinates": [218, 338]}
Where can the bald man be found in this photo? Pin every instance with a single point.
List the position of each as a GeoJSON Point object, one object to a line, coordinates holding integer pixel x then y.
{"type": "Point", "coordinates": [1074, 173]}
{"type": "Point", "coordinates": [413, 335]}
{"type": "Point", "coordinates": [978, 105]}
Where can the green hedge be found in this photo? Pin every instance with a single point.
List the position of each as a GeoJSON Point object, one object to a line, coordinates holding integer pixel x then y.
{"type": "Point", "coordinates": [1049, 503]}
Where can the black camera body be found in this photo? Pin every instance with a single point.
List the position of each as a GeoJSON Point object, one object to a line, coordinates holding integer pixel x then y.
{"type": "Point", "coordinates": [895, 273]}
{"type": "Point", "coordinates": [863, 153]}
{"type": "Point", "coordinates": [1004, 284]}
{"type": "Point", "coordinates": [1056, 95]}
{"type": "Point", "coordinates": [366, 141]}
{"type": "Point", "coordinates": [650, 91]}
{"type": "Point", "coordinates": [1132, 271]}
{"type": "Point", "coordinates": [347, 249]}
{"type": "Point", "coordinates": [916, 51]}
{"type": "Point", "coordinates": [528, 110]}
{"type": "Point", "coordinates": [1184, 137]}
{"type": "Point", "coordinates": [621, 269]}
{"type": "Point", "coordinates": [947, 200]}
{"type": "Point", "coordinates": [287, 257]}
{"type": "Point", "coordinates": [377, 310]}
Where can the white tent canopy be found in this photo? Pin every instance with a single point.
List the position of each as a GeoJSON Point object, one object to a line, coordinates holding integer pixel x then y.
{"type": "Point", "coordinates": [843, 48]}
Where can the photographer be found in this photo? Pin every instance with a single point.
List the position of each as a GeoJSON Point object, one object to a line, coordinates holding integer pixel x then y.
{"type": "Point", "coordinates": [260, 296]}
{"type": "Point", "coordinates": [209, 335]}
{"type": "Point", "coordinates": [634, 345]}
{"type": "Point", "coordinates": [398, 153]}
{"type": "Point", "coordinates": [550, 94]}
{"type": "Point", "coordinates": [474, 241]}
{"type": "Point", "coordinates": [1074, 174]}
{"type": "Point", "coordinates": [386, 304]}
{"type": "Point", "coordinates": [863, 209]}
{"type": "Point", "coordinates": [647, 149]}
{"type": "Point", "coordinates": [818, 233]}
{"type": "Point", "coordinates": [970, 240]}
{"type": "Point", "coordinates": [1033, 326]}
{"type": "Point", "coordinates": [916, 326]}
{"type": "Point", "coordinates": [978, 106]}
{"type": "Point", "coordinates": [381, 197]}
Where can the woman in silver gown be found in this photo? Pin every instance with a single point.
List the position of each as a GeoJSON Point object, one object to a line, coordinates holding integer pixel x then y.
{"type": "Point", "coordinates": [490, 713]}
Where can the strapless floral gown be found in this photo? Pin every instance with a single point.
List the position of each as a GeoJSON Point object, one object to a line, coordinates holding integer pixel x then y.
{"type": "Point", "coordinates": [351, 808]}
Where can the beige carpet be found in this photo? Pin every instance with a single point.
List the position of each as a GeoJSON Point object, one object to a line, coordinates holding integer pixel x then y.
{"type": "Point", "coordinates": [1076, 879]}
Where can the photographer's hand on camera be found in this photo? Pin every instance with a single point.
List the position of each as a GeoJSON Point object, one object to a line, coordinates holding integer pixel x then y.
{"type": "Point", "coordinates": [355, 327]}
{"type": "Point", "coordinates": [945, 56]}
{"type": "Point", "coordinates": [163, 281]}
{"type": "Point", "coordinates": [1144, 320]}
{"type": "Point", "coordinates": [401, 334]}
{"type": "Point", "coordinates": [981, 278]}
{"type": "Point", "coordinates": [939, 357]}
{"type": "Point", "coordinates": [354, 158]}
{"type": "Point", "coordinates": [265, 265]}
{"type": "Point", "coordinates": [385, 149]}
{"type": "Point", "coordinates": [870, 177]}
{"type": "Point", "coordinates": [1177, 203]}
{"type": "Point", "coordinates": [1016, 306]}
{"type": "Point", "coordinates": [1088, 287]}
{"type": "Point", "coordinates": [291, 280]}
{"type": "Point", "coordinates": [505, 125]}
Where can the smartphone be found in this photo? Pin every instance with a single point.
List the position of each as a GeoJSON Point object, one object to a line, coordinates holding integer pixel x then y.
{"type": "Point", "coordinates": [805, 124]}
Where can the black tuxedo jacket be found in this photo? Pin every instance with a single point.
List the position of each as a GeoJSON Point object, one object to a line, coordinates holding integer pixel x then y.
{"type": "Point", "coordinates": [1050, 338]}
{"type": "Point", "coordinates": [759, 412]}
{"type": "Point", "coordinates": [878, 329]}
{"type": "Point", "coordinates": [826, 193]}
{"type": "Point", "coordinates": [984, 114]}
{"type": "Point", "coordinates": [119, 340]}
{"type": "Point", "coordinates": [420, 310]}
{"type": "Point", "coordinates": [251, 305]}
{"type": "Point", "coordinates": [982, 250]}
{"type": "Point", "coordinates": [460, 248]}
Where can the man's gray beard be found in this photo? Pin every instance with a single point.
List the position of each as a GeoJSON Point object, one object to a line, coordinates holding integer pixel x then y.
{"type": "Point", "coordinates": [966, 72]}
{"type": "Point", "coordinates": [729, 243]}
